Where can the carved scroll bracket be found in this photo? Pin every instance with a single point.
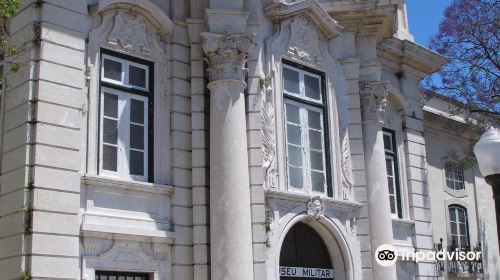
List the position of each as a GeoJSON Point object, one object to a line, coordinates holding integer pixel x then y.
{"type": "Point", "coordinates": [226, 54]}
{"type": "Point", "coordinates": [374, 100]}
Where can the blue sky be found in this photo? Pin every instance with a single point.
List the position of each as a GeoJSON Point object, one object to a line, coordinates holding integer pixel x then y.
{"type": "Point", "coordinates": [424, 17]}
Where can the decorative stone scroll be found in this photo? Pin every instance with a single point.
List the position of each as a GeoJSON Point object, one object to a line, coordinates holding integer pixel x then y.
{"type": "Point", "coordinates": [373, 99]}
{"type": "Point", "coordinates": [268, 127]}
{"type": "Point", "coordinates": [226, 54]}
{"type": "Point", "coordinates": [315, 208]}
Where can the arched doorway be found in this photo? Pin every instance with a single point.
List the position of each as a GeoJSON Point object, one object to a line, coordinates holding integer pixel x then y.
{"type": "Point", "coordinates": [304, 255]}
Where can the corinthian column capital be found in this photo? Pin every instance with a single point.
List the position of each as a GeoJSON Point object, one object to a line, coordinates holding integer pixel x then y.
{"type": "Point", "coordinates": [373, 100]}
{"type": "Point", "coordinates": [226, 54]}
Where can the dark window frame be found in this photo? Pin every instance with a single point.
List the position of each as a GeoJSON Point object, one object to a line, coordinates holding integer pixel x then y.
{"type": "Point", "coordinates": [324, 108]}
{"type": "Point", "coordinates": [397, 178]}
{"type": "Point", "coordinates": [107, 274]}
{"type": "Point", "coordinates": [148, 94]}
{"type": "Point", "coordinates": [466, 215]}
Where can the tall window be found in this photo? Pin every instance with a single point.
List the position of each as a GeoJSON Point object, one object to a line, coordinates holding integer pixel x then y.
{"type": "Point", "coordinates": [306, 130]}
{"type": "Point", "coordinates": [454, 176]}
{"type": "Point", "coordinates": [393, 180]}
{"type": "Point", "coordinates": [458, 226]}
{"type": "Point", "coordinates": [125, 132]}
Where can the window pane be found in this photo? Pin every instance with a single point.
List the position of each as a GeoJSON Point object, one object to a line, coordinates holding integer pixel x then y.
{"type": "Point", "coordinates": [316, 160]}
{"type": "Point", "coordinates": [387, 142]}
{"type": "Point", "coordinates": [137, 111]}
{"type": "Point", "coordinates": [291, 80]}
{"type": "Point", "coordinates": [463, 241]}
{"type": "Point", "coordinates": [314, 119]}
{"type": "Point", "coordinates": [312, 87]}
{"type": "Point", "coordinates": [137, 76]}
{"type": "Point", "coordinates": [295, 175]}
{"type": "Point", "coordinates": [110, 131]}
{"type": "Point", "coordinates": [294, 155]}
{"type": "Point", "coordinates": [318, 181]}
{"type": "Point", "coordinates": [315, 140]}
{"type": "Point", "coordinates": [454, 240]}
{"type": "Point", "coordinates": [136, 136]}
{"type": "Point", "coordinates": [388, 164]}
{"type": "Point", "coordinates": [292, 113]}
{"type": "Point", "coordinates": [392, 200]}
{"type": "Point", "coordinates": [461, 215]}
{"type": "Point", "coordinates": [111, 105]}
{"type": "Point", "coordinates": [136, 163]}
{"type": "Point", "coordinates": [109, 158]}
{"type": "Point", "coordinates": [293, 134]}
{"type": "Point", "coordinates": [391, 185]}
{"type": "Point", "coordinates": [453, 228]}
{"type": "Point", "coordinates": [112, 70]}
{"type": "Point", "coordinates": [462, 229]}
{"type": "Point", "coordinates": [452, 215]}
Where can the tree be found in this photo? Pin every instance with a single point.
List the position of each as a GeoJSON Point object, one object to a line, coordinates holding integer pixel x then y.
{"type": "Point", "coordinates": [8, 52]}
{"type": "Point", "coordinates": [469, 38]}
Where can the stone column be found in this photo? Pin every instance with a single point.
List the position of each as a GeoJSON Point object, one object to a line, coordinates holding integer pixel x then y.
{"type": "Point", "coordinates": [373, 101]}
{"type": "Point", "coordinates": [230, 218]}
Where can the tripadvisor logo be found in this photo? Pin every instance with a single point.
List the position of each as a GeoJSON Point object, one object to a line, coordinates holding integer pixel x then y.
{"type": "Point", "coordinates": [386, 255]}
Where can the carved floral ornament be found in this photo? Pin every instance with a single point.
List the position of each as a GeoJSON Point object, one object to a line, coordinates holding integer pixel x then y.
{"type": "Point", "coordinates": [226, 54]}
{"type": "Point", "coordinates": [373, 99]}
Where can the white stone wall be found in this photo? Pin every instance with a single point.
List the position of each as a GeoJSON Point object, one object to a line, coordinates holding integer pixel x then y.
{"type": "Point", "coordinates": [83, 222]}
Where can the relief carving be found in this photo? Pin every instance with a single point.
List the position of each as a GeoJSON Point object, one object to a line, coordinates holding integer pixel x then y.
{"type": "Point", "coordinates": [373, 100]}
{"type": "Point", "coordinates": [304, 40]}
{"type": "Point", "coordinates": [268, 134]}
{"type": "Point", "coordinates": [130, 33]}
{"type": "Point", "coordinates": [226, 54]}
{"type": "Point", "coordinates": [346, 167]}
{"type": "Point", "coordinates": [315, 208]}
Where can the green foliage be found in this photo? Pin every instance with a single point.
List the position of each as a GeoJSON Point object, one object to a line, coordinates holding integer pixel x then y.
{"type": "Point", "coordinates": [8, 8]}
{"type": "Point", "coordinates": [25, 276]}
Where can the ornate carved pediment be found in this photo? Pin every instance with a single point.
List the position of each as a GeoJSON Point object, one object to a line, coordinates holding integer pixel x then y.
{"type": "Point", "coordinates": [130, 33]}
{"type": "Point", "coordinates": [304, 40]}
{"type": "Point", "coordinates": [279, 10]}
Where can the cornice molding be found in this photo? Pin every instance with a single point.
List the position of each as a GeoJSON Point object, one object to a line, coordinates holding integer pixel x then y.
{"type": "Point", "coordinates": [278, 11]}
{"type": "Point", "coordinates": [413, 58]}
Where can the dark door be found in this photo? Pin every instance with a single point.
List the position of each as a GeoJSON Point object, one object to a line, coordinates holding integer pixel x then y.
{"type": "Point", "coordinates": [304, 255]}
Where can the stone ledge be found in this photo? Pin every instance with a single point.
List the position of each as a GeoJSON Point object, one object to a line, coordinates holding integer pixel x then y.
{"type": "Point", "coordinates": [302, 197]}
{"type": "Point", "coordinates": [138, 186]}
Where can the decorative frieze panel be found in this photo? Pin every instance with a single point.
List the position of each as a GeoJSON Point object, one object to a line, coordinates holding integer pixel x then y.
{"type": "Point", "coordinates": [123, 253]}
{"type": "Point", "coordinates": [226, 54]}
{"type": "Point", "coordinates": [373, 100]}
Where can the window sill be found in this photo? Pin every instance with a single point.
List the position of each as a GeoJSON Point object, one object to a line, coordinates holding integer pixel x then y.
{"type": "Point", "coordinates": [397, 222]}
{"type": "Point", "coordinates": [304, 198]}
{"type": "Point", "coordinates": [146, 187]}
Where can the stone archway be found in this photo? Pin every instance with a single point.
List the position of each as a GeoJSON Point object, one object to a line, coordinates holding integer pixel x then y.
{"type": "Point", "coordinates": [304, 255]}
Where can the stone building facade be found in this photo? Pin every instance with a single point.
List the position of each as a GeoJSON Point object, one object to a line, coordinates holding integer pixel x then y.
{"type": "Point", "coordinates": [229, 139]}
